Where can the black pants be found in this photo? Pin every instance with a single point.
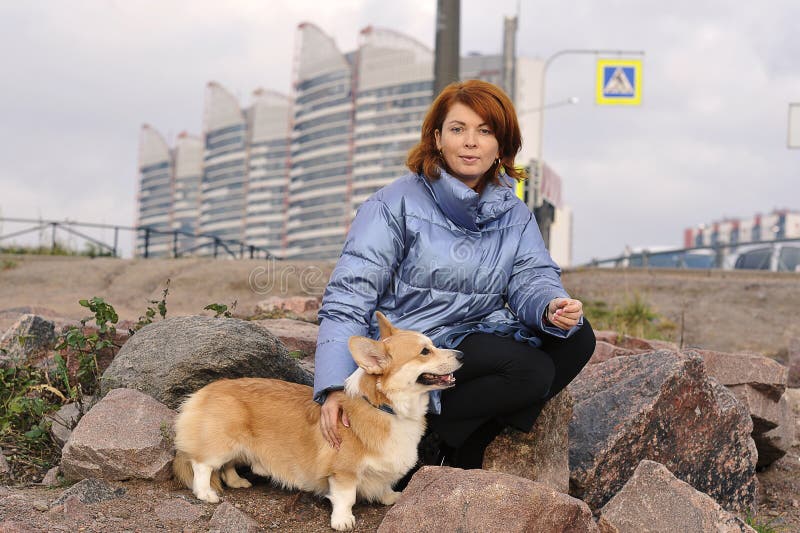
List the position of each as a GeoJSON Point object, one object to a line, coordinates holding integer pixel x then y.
{"type": "Point", "coordinates": [504, 382]}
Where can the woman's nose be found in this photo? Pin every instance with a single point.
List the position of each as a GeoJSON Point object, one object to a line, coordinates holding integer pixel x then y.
{"type": "Point", "coordinates": [471, 139]}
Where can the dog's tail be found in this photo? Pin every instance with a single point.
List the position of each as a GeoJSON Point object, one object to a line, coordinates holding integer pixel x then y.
{"type": "Point", "coordinates": [184, 473]}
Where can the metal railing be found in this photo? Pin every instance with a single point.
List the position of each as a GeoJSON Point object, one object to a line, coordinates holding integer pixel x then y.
{"type": "Point", "coordinates": [203, 245]}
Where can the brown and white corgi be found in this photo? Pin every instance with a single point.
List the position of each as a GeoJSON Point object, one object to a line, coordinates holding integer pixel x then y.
{"type": "Point", "coordinates": [274, 426]}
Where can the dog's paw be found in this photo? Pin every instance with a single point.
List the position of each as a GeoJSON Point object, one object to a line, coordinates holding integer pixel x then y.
{"type": "Point", "coordinates": [344, 522]}
{"type": "Point", "coordinates": [390, 497]}
{"type": "Point", "coordinates": [239, 483]}
{"type": "Point", "coordinates": [209, 496]}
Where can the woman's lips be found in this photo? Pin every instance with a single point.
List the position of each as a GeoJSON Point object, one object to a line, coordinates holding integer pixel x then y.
{"type": "Point", "coordinates": [468, 158]}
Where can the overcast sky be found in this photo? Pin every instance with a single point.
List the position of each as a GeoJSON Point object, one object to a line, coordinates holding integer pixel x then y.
{"type": "Point", "coordinates": [77, 80]}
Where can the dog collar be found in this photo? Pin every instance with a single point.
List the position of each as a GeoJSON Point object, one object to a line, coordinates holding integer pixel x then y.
{"type": "Point", "coordinates": [385, 407]}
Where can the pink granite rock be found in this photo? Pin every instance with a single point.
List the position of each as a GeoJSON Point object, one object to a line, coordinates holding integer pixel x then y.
{"type": "Point", "coordinates": [125, 435]}
{"type": "Point", "coordinates": [655, 500]}
{"type": "Point", "coordinates": [541, 455]}
{"type": "Point", "coordinates": [663, 407]}
{"type": "Point", "coordinates": [451, 499]}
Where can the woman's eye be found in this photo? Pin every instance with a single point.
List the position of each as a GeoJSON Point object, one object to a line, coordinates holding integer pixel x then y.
{"type": "Point", "coordinates": [485, 131]}
{"type": "Point", "coordinates": [456, 129]}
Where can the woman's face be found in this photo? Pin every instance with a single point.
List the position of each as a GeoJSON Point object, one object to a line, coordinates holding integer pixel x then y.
{"type": "Point", "coordinates": [467, 143]}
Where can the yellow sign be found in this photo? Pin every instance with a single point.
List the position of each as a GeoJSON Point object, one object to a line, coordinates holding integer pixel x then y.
{"type": "Point", "coordinates": [619, 81]}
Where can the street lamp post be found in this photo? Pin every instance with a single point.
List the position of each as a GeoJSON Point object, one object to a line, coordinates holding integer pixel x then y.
{"type": "Point", "coordinates": [534, 193]}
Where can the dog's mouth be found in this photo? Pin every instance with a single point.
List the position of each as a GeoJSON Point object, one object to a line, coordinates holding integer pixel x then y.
{"type": "Point", "coordinates": [444, 381]}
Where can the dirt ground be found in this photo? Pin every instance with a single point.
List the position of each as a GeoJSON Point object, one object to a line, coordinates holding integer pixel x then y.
{"type": "Point", "coordinates": [727, 311]}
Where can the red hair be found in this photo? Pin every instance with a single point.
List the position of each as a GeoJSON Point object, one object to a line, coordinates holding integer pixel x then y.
{"type": "Point", "coordinates": [492, 105]}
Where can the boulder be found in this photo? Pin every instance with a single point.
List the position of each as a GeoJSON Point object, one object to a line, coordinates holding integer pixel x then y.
{"type": "Point", "coordinates": [793, 361]}
{"type": "Point", "coordinates": [645, 345]}
{"type": "Point", "coordinates": [773, 444]}
{"type": "Point", "coordinates": [172, 358]}
{"type": "Point", "coordinates": [762, 373]}
{"type": "Point", "coordinates": [66, 418]}
{"type": "Point", "coordinates": [793, 396]}
{"type": "Point", "coordinates": [296, 335]}
{"type": "Point", "coordinates": [660, 406]}
{"type": "Point", "coordinates": [125, 435]}
{"type": "Point", "coordinates": [451, 499]}
{"type": "Point", "coordinates": [298, 305]}
{"type": "Point", "coordinates": [541, 455]}
{"type": "Point", "coordinates": [28, 340]}
{"type": "Point", "coordinates": [91, 491]}
{"type": "Point", "coordinates": [606, 335]}
{"type": "Point", "coordinates": [655, 500]}
{"type": "Point", "coordinates": [229, 518]}
{"type": "Point", "coordinates": [773, 423]}
{"type": "Point", "coordinates": [603, 351]}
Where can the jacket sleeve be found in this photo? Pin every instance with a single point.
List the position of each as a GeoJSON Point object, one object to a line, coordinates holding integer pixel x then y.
{"type": "Point", "coordinates": [371, 253]}
{"type": "Point", "coordinates": [535, 281]}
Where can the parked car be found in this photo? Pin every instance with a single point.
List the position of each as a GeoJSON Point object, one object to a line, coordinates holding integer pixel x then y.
{"type": "Point", "coordinates": [776, 257]}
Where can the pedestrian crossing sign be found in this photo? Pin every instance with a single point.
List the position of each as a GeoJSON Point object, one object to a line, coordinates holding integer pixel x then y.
{"type": "Point", "coordinates": [619, 81]}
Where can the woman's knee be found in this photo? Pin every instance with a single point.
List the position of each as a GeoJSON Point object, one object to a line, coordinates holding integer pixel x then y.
{"type": "Point", "coordinates": [530, 378]}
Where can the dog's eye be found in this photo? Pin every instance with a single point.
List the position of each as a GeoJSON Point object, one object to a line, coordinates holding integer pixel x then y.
{"type": "Point", "coordinates": [425, 351]}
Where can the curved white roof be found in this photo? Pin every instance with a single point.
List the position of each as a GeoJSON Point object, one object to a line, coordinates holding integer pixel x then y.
{"type": "Point", "coordinates": [152, 147]}
{"type": "Point", "coordinates": [222, 108]}
{"type": "Point", "coordinates": [387, 57]}
{"type": "Point", "coordinates": [318, 53]}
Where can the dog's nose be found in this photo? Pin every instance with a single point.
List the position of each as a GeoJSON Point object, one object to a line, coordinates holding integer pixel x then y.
{"type": "Point", "coordinates": [459, 355]}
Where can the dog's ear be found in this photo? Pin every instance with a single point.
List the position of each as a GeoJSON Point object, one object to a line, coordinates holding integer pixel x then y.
{"type": "Point", "coordinates": [369, 354]}
{"type": "Point", "coordinates": [386, 327]}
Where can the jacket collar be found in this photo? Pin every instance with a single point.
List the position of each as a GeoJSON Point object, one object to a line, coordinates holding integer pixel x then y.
{"type": "Point", "coordinates": [464, 207]}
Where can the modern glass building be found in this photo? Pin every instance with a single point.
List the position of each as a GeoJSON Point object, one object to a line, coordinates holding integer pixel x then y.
{"type": "Point", "coordinates": [395, 89]}
{"type": "Point", "coordinates": [188, 174]}
{"type": "Point", "coordinates": [223, 188]}
{"type": "Point", "coordinates": [268, 164]}
{"type": "Point", "coordinates": [154, 195]}
{"type": "Point", "coordinates": [288, 174]}
{"type": "Point", "coordinates": [321, 148]}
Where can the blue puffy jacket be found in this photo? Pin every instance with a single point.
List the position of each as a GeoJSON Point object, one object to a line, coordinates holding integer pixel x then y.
{"type": "Point", "coordinates": [434, 256]}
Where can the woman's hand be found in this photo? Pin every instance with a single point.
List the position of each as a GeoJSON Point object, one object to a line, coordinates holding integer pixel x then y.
{"type": "Point", "coordinates": [329, 418]}
{"type": "Point", "coordinates": [564, 313]}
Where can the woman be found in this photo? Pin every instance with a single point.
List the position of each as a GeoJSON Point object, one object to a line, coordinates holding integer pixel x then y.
{"type": "Point", "coordinates": [449, 250]}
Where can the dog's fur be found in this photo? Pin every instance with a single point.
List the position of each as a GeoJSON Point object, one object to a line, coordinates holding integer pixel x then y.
{"type": "Point", "coordinates": [274, 426]}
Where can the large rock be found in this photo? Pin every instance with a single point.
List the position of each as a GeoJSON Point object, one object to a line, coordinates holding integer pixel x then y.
{"type": "Point", "coordinates": [773, 423]}
{"type": "Point", "coordinates": [663, 407]}
{"type": "Point", "coordinates": [29, 339]}
{"type": "Point", "coordinates": [762, 373]}
{"type": "Point", "coordinates": [295, 304]}
{"type": "Point", "coordinates": [603, 351]}
{"type": "Point", "coordinates": [296, 335]}
{"type": "Point", "coordinates": [775, 443]}
{"type": "Point", "coordinates": [655, 500]}
{"type": "Point", "coordinates": [793, 361]}
{"type": "Point", "coordinates": [126, 435]}
{"type": "Point", "coordinates": [451, 499]}
{"type": "Point", "coordinates": [177, 356]}
{"type": "Point", "coordinates": [541, 455]}
{"type": "Point", "coordinates": [66, 418]}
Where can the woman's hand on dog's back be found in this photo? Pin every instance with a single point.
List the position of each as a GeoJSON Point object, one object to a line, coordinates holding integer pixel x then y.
{"type": "Point", "coordinates": [329, 418]}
